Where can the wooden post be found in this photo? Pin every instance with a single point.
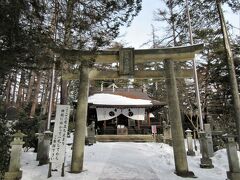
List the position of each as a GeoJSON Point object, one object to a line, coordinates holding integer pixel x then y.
{"type": "Point", "coordinates": [81, 119]}
{"type": "Point", "coordinates": [49, 170]}
{"type": "Point", "coordinates": [195, 71]}
{"type": "Point", "coordinates": [180, 157]}
{"type": "Point", "coordinates": [104, 125]}
{"type": "Point", "coordinates": [149, 121]}
{"type": "Point", "coordinates": [138, 124]}
{"type": "Point", "coordinates": [231, 71]}
{"type": "Point", "coordinates": [62, 173]}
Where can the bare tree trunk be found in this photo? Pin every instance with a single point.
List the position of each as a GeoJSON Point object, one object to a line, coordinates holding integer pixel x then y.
{"type": "Point", "coordinates": [54, 101]}
{"type": "Point", "coordinates": [30, 86]}
{"type": "Point", "coordinates": [67, 44]}
{"type": "Point", "coordinates": [8, 91]}
{"type": "Point", "coordinates": [2, 86]}
{"type": "Point", "coordinates": [173, 23]}
{"type": "Point", "coordinates": [45, 93]}
{"type": "Point", "coordinates": [44, 86]}
{"type": "Point", "coordinates": [231, 70]}
{"type": "Point", "coordinates": [15, 82]}
{"type": "Point", "coordinates": [64, 90]}
{"type": "Point", "coordinates": [195, 71]}
{"type": "Point", "coordinates": [207, 94]}
{"type": "Point", "coordinates": [45, 102]}
{"type": "Point", "coordinates": [36, 92]}
{"type": "Point", "coordinates": [20, 90]}
{"type": "Point", "coordinates": [57, 94]}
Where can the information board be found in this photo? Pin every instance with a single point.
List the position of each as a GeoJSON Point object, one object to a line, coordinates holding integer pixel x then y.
{"type": "Point", "coordinates": [58, 147]}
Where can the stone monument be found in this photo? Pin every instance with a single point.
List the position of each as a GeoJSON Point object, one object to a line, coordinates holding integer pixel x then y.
{"type": "Point", "coordinates": [208, 131]}
{"type": "Point", "coordinates": [206, 162]}
{"type": "Point", "coordinates": [190, 151]}
{"type": "Point", "coordinates": [45, 148]}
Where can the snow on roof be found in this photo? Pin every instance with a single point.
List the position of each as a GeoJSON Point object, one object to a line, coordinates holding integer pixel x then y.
{"type": "Point", "coordinates": [111, 99]}
{"type": "Point", "coordinates": [151, 115]}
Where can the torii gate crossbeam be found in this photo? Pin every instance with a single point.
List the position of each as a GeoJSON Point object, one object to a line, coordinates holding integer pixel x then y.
{"type": "Point", "coordinates": [182, 53]}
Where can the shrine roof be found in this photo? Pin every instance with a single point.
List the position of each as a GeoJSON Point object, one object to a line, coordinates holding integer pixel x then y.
{"type": "Point", "coordinates": [122, 97]}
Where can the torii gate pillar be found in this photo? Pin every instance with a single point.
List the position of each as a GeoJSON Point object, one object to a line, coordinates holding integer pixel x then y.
{"type": "Point", "coordinates": [81, 118]}
{"type": "Point", "coordinates": [180, 157]}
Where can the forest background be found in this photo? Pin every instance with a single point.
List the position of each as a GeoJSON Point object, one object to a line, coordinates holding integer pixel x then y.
{"type": "Point", "coordinates": [31, 30]}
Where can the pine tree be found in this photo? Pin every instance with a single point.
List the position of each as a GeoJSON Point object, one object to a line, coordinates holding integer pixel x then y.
{"type": "Point", "coordinates": [212, 69]}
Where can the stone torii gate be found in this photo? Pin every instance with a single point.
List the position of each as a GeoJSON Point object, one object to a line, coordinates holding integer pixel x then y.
{"type": "Point", "coordinates": [127, 58]}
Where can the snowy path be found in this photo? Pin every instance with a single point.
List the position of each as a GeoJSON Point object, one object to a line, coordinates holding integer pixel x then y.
{"type": "Point", "coordinates": [132, 164]}
{"type": "Point", "coordinates": [127, 161]}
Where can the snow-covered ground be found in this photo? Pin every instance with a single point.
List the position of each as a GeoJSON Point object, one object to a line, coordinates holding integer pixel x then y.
{"type": "Point", "coordinates": [126, 161]}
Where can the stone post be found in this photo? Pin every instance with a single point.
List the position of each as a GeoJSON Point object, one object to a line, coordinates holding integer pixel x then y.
{"type": "Point", "coordinates": [43, 153]}
{"type": "Point", "coordinates": [167, 134]}
{"type": "Point", "coordinates": [14, 172]}
{"type": "Point", "coordinates": [90, 138]}
{"type": "Point", "coordinates": [233, 160]}
{"type": "Point", "coordinates": [40, 137]}
{"type": "Point", "coordinates": [81, 118]}
{"type": "Point", "coordinates": [180, 157]}
{"type": "Point", "coordinates": [159, 138]}
{"type": "Point", "coordinates": [208, 131]}
{"type": "Point", "coordinates": [206, 162]}
{"type": "Point", "coordinates": [190, 151]}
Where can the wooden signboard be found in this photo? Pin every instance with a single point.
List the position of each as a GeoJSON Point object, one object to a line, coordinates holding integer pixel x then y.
{"type": "Point", "coordinates": [126, 61]}
{"type": "Point", "coordinates": [57, 153]}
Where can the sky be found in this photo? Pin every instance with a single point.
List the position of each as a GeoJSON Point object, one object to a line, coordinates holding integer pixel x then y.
{"type": "Point", "coordinates": [140, 30]}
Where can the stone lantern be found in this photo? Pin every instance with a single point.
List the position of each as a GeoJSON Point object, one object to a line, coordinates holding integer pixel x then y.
{"type": "Point", "coordinates": [14, 172]}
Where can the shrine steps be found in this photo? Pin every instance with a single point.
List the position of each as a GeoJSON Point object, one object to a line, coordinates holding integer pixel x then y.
{"type": "Point", "coordinates": [125, 138]}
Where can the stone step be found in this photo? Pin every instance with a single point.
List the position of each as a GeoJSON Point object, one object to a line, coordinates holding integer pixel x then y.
{"type": "Point", "coordinates": [124, 138]}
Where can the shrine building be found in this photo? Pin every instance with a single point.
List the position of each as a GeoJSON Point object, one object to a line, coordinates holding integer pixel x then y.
{"type": "Point", "coordinates": [123, 111]}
